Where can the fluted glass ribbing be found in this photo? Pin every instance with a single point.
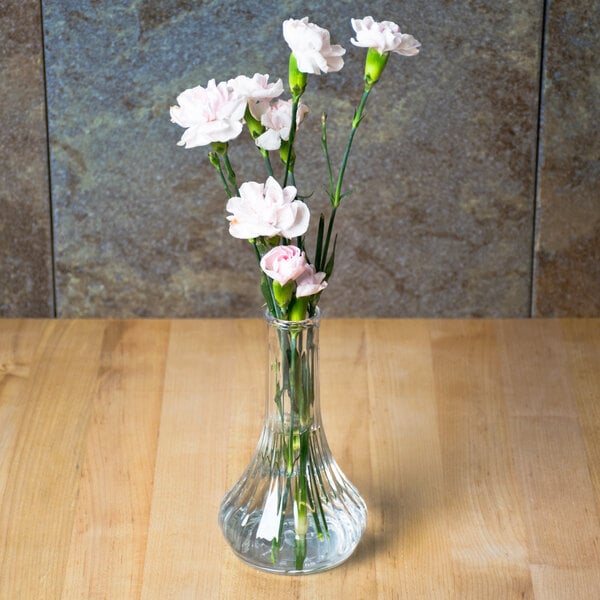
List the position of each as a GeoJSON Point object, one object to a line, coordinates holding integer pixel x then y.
{"type": "Point", "coordinates": [293, 510]}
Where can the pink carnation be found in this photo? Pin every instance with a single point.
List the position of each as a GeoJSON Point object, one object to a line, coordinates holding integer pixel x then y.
{"type": "Point", "coordinates": [267, 210]}
{"type": "Point", "coordinates": [284, 263]}
{"type": "Point", "coordinates": [278, 121]}
{"type": "Point", "coordinates": [383, 36]}
{"type": "Point", "coordinates": [257, 91]}
{"type": "Point", "coordinates": [311, 46]}
{"type": "Point", "coordinates": [310, 282]}
{"type": "Point", "coordinates": [210, 114]}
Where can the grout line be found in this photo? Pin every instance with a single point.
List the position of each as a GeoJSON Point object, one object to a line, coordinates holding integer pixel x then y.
{"type": "Point", "coordinates": [54, 309]}
{"type": "Point", "coordinates": [539, 156]}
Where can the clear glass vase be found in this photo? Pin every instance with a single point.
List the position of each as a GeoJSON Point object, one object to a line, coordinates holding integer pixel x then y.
{"type": "Point", "coordinates": [293, 510]}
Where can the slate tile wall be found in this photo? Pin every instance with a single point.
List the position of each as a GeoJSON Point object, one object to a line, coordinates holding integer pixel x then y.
{"type": "Point", "coordinates": [567, 251]}
{"type": "Point", "coordinates": [26, 281]}
{"type": "Point", "coordinates": [463, 202]}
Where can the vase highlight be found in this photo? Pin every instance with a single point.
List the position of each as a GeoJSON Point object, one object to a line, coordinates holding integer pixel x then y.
{"type": "Point", "coordinates": [293, 510]}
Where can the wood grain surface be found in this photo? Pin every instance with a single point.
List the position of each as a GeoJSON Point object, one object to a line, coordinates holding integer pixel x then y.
{"type": "Point", "coordinates": [475, 443]}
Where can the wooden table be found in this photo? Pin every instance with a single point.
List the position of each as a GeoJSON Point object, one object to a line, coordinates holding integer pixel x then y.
{"type": "Point", "coordinates": [476, 445]}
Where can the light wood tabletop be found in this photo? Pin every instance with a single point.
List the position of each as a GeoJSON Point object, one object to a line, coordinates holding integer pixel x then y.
{"type": "Point", "coordinates": [475, 443]}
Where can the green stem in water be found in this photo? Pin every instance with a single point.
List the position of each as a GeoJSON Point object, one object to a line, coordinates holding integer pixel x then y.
{"type": "Point", "coordinates": [301, 516]}
{"type": "Point", "coordinates": [300, 551]}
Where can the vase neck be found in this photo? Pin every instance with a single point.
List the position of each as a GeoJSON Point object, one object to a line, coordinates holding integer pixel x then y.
{"type": "Point", "coordinates": [293, 374]}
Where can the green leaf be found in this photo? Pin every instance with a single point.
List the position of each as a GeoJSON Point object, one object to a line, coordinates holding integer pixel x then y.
{"type": "Point", "coordinates": [267, 292]}
{"type": "Point", "coordinates": [331, 261]}
{"type": "Point", "coordinates": [319, 249]}
{"type": "Point", "coordinates": [345, 194]}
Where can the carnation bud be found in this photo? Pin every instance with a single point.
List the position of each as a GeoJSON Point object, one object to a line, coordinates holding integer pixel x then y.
{"type": "Point", "coordinates": [220, 147]}
{"type": "Point", "coordinates": [283, 293]}
{"type": "Point", "coordinates": [297, 311]}
{"type": "Point", "coordinates": [374, 65]}
{"type": "Point", "coordinates": [255, 127]}
{"type": "Point", "coordinates": [296, 78]}
{"type": "Point", "coordinates": [214, 160]}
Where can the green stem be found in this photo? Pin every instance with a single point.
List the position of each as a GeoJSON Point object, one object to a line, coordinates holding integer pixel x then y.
{"type": "Point", "coordinates": [326, 152]}
{"type": "Point", "coordinates": [268, 165]}
{"type": "Point", "coordinates": [299, 438]}
{"type": "Point", "coordinates": [300, 551]}
{"type": "Point", "coordinates": [336, 195]}
{"type": "Point", "coordinates": [230, 173]}
{"type": "Point", "coordinates": [355, 123]}
{"type": "Point", "coordinates": [293, 366]}
{"type": "Point", "coordinates": [319, 486]}
{"type": "Point", "coordinates": [289, 161]}
{"type": "Point", "coordinates": [215, 161]}
{"type": "Point", "coordinates": [303, 484]}
{"type": "Point", "coordinates": [276, 547]}
{"type": "Point", "coordinates": [301, 524]}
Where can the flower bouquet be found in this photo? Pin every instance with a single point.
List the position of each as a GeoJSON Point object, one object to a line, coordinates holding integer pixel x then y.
{"type": "Point", "coordinates": [293, 510]}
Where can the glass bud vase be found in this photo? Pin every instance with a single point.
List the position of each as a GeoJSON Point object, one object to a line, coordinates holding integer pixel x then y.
{"type": "Point", "coordinates": [293, 510]}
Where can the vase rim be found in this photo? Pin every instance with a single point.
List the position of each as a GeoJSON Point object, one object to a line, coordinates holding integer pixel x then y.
{"type": "Point", "coordinates": [304, 324]}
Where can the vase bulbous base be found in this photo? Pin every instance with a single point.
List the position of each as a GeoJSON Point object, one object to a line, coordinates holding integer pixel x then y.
{"type": "Point", "coordinates": [253, 525]}
{"type": "Point", "coordinates": [321, 555]}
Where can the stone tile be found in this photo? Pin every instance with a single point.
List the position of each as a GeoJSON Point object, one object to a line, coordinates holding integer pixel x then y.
{"type": "Point", "coordinates": [25, 248]}
{"type": "Point", "coordinates": [567, 258]}
{"type": "Point", "coordinates": [440, 219]}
